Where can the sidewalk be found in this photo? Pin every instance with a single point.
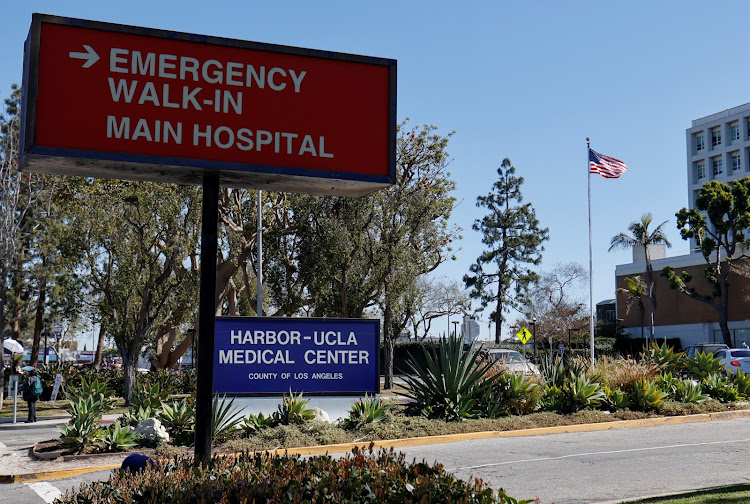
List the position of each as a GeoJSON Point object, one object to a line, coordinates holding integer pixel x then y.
{"type": "Point", "coordinates": [44, 422]}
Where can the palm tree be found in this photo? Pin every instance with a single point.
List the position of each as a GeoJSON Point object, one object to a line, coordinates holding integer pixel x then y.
{"type": "Point", "coordinates": [635, 289]}
{"type": "Point", "coordinates": [641, 236]}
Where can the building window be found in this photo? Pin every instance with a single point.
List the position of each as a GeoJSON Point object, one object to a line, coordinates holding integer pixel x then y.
{"type": "Point", "coordinates": [700, 169]}
{"type": "Point", "coordinates": [735, 156]}
{"type": "Point", "coordinates": [717, 165]}
{"type": "Point", "coordinates": [699, 144]}
{"type": "Point", "coordinates": [734, 131]}
{"type": "Point", "coordinates": [716, 137]}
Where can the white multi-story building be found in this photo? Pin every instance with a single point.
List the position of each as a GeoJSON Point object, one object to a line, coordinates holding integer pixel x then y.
{"type": "Point", "coordinates": [718, 148]}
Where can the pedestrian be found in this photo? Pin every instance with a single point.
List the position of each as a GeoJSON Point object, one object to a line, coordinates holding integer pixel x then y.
{"type": "Point", "coordinates": [32, 389]}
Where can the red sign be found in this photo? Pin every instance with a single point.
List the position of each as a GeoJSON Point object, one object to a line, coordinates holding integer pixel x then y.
{"type": "Point", "coordinates": [107, 100]}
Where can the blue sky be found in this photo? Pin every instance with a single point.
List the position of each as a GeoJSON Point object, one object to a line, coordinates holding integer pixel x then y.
{"type": "Point", "coordinates": [524, 80]}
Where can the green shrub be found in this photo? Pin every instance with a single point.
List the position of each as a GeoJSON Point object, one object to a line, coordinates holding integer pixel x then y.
{"type": "Point", "coordinates": [721, 388]}
{"type": "Point", "coordinates": [178, 417]}
{"type": "Point", "coordinates": [703, 365]}
{"type": "Point", "coordinates": [668, 383]}
{"type": "Point", "coordinates": [116, 438]}
{"type": "Point", "coordinates": [646, 396]}
{"type": "Point", "coordinates": [357, 478]}
{"type": "Point", "coordinates": [448, 386]}
{"type": "Point", "coordinates": [364, 411]}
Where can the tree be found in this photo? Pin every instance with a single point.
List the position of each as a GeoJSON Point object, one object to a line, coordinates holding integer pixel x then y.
{"type": "Point", "coordinates": [140, 235]}
{"type": "Point", "coordinates": [635, 289]}
{"type": "Point", "coordinates": [412, 232]}
{"type": "Point", "coordinates": [555, 302]}
{"type": "Point", "coordinates": [720, 239]}
{"type": "Point", "coordinates": [437, 298]}
{"type": "Point", "coordinates": [641, 236]}
{"type": "Point", "coordinates": [512, 232]}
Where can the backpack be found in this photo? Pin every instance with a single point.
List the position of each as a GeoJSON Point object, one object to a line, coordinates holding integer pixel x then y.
{"type": "Point", "coordinates": [37, 388]}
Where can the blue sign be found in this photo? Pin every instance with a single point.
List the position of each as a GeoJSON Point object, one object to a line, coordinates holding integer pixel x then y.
{"type": "Point", "coordinates": [258, 355]}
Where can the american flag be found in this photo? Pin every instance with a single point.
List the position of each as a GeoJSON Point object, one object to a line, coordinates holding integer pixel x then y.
{"type": "Point", "coordinates": [606, 166]}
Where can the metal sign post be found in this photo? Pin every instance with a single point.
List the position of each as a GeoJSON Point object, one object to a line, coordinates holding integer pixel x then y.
{"type": "Point", "coordinates": [206, 317]}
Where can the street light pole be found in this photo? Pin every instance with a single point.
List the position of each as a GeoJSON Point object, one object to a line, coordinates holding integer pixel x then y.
{"type": "Point", "coordinates": [533, 334]}
{"type": "Point", "coordinates": [455, 328]}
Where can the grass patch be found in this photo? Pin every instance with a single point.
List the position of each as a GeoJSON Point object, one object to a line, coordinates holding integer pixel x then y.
{"type": "Point", "coordinates": [43, 408]}
{"type": "Point", "coordinates": [735, 494]}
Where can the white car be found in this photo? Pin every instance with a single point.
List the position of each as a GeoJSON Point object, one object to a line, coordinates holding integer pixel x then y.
{"type": "Point", "coordinates": [735, 359]}
{"type": "Point", "coordinates": [513, 361]}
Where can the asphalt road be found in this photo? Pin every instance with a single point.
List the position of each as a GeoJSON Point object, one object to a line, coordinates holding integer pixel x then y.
{"type": "Point", "coordinates": [604, 465]}
{"type": "Point", "coordinates": [559, 468]}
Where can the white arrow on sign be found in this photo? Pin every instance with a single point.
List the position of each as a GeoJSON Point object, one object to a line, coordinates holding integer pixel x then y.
{"type": "Point", "coordinates": [90, 56]}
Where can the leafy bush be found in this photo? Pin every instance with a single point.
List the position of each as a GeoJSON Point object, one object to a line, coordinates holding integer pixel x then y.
{"type": "Point", "coordinates": [703, 365]}
{"type": "Point", "coordinates": [721, 388]}
{"type": "Point", "coordinates": [178, 417]}
{"type": "Point", "coordinates": [646, 396]}
{"type": "Point", "coordinates": [357, 478]}
{"type": "Point", "coordinates": [364, 411]}
{"type": "Point", "coordinates": [448, 386]}
{"type": "Point", "coordinates": [668, 383]}
{"type": "Point", "coordinates": [116, 438]}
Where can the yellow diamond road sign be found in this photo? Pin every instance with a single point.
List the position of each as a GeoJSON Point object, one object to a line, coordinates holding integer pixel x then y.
{"type": "Point", "coordinates": [524, 335]}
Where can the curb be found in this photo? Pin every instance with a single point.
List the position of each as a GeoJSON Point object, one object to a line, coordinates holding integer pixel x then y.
{"type": "Point", "coordinates": [419, 441]}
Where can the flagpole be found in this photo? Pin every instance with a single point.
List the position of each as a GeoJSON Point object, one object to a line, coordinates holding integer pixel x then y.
{"type": "Point", "coordinates": [591, 259]}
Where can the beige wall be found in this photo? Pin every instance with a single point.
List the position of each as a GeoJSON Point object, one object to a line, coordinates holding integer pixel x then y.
{"type": "Point", "coordinates": [674, 307]}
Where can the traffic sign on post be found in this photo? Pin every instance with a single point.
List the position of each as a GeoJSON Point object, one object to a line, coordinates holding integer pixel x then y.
{"type": "Point", "coordinates": [524, 335]}
{"type": "Point", "coordinates": [145, 104]}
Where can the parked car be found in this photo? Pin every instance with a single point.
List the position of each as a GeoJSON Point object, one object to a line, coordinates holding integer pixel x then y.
{"type": "Point", "coordinates": [513, 361]}
{"type": "Point", "coordinates": [705, 348]}
{"type": "Point", "coordinates": [735, 359]}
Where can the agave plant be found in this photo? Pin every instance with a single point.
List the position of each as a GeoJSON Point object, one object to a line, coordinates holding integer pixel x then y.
{"type": "Point", "coordinates": [151, 397]}
{"type": "Point", "coordinates": [365, 411]}
{"type": "Point", "coordinates": [688, 391]}
{"type": "Point", "coordinates": [134, 415]}
{"type": "Point", "coordinates": [225, 417]}
{"type": "Point", "coordinates": [668, 383]}
{"type": "Point", "coordinates": [614, 399]}
{"type": "Point", "coordinates": [721, 388]}
{"type": "Point", "coordinates": [646, 396]}
{"type": "Point", "coordinates": [178, 417]}
{"type": "Point", "coordinates": [742, 382]}
{"type": "Point", "coordinates": [518, 394]}
{"type": "Point", "coordinates": [252, 424]}
{"type": "Point", "coordinates": [116, 438]}
{"type": "Point", "coordinates": [664, 357]}
{"type": "Point", "coordinates": [450, 384]}
{"type": "Point", "coordinates": [294, 410]}
{"type": "Point", "coordinates": [580, 392]}
{"type": "Point", "coordinates": [703, 365]}
{"type": "Point", "coordinates": [80, 433]}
